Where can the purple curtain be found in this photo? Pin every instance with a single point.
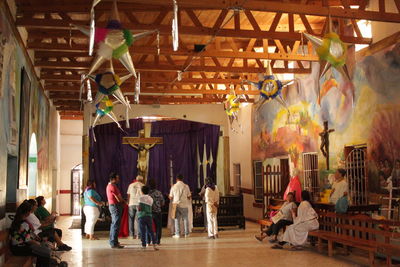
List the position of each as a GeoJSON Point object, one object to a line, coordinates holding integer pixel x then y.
{"type": "Point", "coordinates": [108, 154]}
{"type": "Point", "coordinates": [181, 139]}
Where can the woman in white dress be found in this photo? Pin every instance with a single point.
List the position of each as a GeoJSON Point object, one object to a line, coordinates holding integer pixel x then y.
{"type": "Point", "coordinates": [305, 221]}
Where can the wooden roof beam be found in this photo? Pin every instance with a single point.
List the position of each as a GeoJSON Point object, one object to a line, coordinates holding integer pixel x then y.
{"type": "Point", "coordinates": [183, 30]}
{"type": "Point", "coordinates": [62, 96]}
{"type": "Point", "coordinates": [284, 7]}
{"type": "Point", "coordinates": [143, 50]}
{"type": "Point", "coordinates": [168, 68]}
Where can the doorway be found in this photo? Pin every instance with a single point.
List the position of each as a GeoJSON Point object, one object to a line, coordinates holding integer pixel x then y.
{"type": "Point", "coordinates": [76, 189]}
{"type": "Point", "coordinates": [32, 167]}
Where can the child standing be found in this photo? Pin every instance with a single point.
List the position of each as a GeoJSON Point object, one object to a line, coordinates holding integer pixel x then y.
{"type": "Point", "coordinates": [145, 218]}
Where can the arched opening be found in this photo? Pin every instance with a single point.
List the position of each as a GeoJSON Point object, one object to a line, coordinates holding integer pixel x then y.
{"type": "Point", "coordinates": [76, 189]}
{"type": "Point", "coordinates": [32, 167]}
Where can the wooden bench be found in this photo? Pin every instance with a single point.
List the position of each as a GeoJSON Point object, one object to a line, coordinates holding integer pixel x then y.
{"type": "Point", "coordinates": [266, 221]}
{"type": "Point", "coordinates": [358, 231]}
{"type": "Point", "coordinates": [9, 259]}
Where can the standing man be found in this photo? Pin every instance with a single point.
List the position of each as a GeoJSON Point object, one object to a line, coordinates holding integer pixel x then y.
{"type": "Point", "coordinates": [180, 195]}
{"type": "Point", "coordinates": [115, 202]}
{"type": "Point", "coordinates": [212, 201]}
{"type": "Point", "coordinates": [340, 188]}
{"type": "Point", "coordinates": [134, 192]}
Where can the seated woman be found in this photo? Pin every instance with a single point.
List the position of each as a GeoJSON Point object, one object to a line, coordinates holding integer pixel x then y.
{"type": "Point", "coordinates": [23, 242]}
{"type": "Point", "coordinates": [285, 213]}
{"type": "Point", "coordinates": [305, 221]}
{"type": "Point", "coordinates": [47, 221]}
{"type": "Point", "coordinates": [39, 228]}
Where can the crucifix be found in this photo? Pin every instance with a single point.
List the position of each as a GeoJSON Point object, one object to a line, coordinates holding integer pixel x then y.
{"type": "Point", "coordinates": [325, 142]}
{"type": "Point", "coordinates": [142, 145]}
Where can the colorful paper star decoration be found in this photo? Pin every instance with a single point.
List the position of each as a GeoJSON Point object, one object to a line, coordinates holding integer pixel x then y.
{"type": "Point", "coordinates": [270, 88]}
{"type": "Point", "coordinates": [113, 41]}
{"type": "Point", "coordinates": [331, 52]}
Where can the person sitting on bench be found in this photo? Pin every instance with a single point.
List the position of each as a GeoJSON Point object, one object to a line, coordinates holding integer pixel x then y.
{"type": "Point", "coordinates": [305, 221]}
{"type": "Point", "coordinates": [282, 219]}
{"type": "Point", "coordinates": [47, 221]}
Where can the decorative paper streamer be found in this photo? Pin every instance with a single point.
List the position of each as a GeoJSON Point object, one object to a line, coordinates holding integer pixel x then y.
{"type": "Point", "coordinates": [137, 89]}
{"type": "Point", "coordinates": [175, 33]}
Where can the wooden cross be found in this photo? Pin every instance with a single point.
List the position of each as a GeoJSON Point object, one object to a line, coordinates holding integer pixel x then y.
{"type": "Point", "coordinates": [142, 145]}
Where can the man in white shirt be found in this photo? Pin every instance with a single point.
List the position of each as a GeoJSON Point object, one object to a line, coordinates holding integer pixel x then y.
{"type": "Point", "coordinates": [340, 186]}
{"type": "Point", "coordinates": [180, 195]}
{"type": "Point", "coordinates": [134, 192]}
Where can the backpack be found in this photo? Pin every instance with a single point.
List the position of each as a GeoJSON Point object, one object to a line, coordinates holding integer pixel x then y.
{"type": "Point", "coordinates": [342, 205]}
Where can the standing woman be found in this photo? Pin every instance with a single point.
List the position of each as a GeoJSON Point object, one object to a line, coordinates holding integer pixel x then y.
{"type": "Point", "coordinates": [91, 208]}
{"type": "Point", "coordinates": [212, 201]}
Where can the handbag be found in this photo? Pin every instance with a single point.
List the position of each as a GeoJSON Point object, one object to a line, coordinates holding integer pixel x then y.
{"type": "Point", "coordinates": [41, 251]}
{"type": "Point", "coordinates": [173, 207]}
{"type": "Point", "coordinates": [277, 217]}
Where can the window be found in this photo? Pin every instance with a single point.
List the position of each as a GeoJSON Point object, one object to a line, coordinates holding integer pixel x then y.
{"type": "Point", "coordinates": [258, 181]}
{"type": "Point", "coordinates": [310, 173]}
{"type": "Point", "coordinates": [357, 178]}
{"type": "Point", "coordinates": [237, 175]}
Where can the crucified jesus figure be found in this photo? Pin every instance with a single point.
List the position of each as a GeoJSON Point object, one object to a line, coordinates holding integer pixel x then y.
{"type": "Point", "coordinates": [325, 142]}
{"type": "Point", "coordinates": [142, 150]}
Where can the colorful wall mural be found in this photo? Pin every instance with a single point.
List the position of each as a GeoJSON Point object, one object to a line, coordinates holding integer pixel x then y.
{"type": "Point", "coordinates": [32, 115]}
{"type": "Point", "coordinates": [365, 110]}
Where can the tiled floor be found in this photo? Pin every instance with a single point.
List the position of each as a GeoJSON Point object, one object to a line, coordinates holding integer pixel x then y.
{"type": "Point", "coordinates": [233, 248]}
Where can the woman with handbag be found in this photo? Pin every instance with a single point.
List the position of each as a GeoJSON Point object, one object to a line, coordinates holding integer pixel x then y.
{"type": "Point", "coordinates": [281, 219]}
{"type": "Point", "coordinates": [23, 242]}
{"type": "Point", "coordinates": [91, 208]}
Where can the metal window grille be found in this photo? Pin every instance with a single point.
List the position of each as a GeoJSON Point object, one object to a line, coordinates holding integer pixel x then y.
{"type": "Point", "coordinates": [357, 174]}
{"type": "Point", "coordinates": [258, 181]}
{"type": "Point", "coordinates": [310, 173]}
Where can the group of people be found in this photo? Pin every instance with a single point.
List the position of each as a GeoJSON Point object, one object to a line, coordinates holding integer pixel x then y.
{"type": "Point", "coordinates": [145, 203]}
{"type": "Point", "coordinates": [300, 220]}
{"type": "Point", "coordinates": [33, 233]}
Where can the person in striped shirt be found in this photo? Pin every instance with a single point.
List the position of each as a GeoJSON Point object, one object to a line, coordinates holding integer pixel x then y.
{"type": "Point", "coordinates": [145, 218]}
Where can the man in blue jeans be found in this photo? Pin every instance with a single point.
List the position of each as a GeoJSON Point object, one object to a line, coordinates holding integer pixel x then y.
{"type": "Point", "coordinates": [180, 196]}
{"type": "Point", "coordinates": [115, 202]}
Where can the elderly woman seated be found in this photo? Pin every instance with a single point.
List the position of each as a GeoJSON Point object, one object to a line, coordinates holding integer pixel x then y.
{"type": "Point", "coordinates": [282, 219]}
{"type": "Point", "coordinates": [305, 221]}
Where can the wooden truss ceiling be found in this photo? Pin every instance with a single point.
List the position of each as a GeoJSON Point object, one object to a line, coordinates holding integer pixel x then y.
{"type": "Point", "coordinates": [236, 51]}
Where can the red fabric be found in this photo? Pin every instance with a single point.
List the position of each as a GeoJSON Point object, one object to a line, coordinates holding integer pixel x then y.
{"type": "Point", "coordinates": [100, 34]}
{"type": "Point", "coordinates": [112, 191]}
{"type": "Point", "coordinates": [124, 227]}
{"type": "Point", "coordinates": [294, 186]}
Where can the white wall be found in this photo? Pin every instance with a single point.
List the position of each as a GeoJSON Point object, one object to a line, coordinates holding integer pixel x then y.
{"type": "Point", "coordinates": [380, 30]}
{"type": "Point", "coordinates": [205, 113]}
{"type": "Point", "coordinates": [240, 152]}
{"type": "Point", "coordinates": [70, 156]}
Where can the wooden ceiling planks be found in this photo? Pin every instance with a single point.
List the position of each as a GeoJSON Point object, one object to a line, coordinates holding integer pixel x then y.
{"type": "Point", "coordinates": [257, 30]}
